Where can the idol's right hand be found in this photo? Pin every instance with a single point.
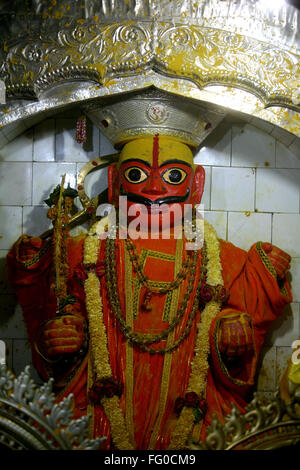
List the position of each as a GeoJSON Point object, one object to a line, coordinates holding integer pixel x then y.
{"type": "Point", "coordinates": [61, 335]}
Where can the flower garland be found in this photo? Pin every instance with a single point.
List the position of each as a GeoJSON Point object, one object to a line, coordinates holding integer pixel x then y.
{"type": "Point", "coordinates": [100, 353]}
{"type": "Point", "coordinates": [98, 343]}
{"type": "Point", "coordinates": [81, 130]}
{"type": "Point", "coordinates": [199, 366]}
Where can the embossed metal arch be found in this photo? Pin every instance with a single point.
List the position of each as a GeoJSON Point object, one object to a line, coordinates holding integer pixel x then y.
{"type": "Point", "coordinates": [112, 41]}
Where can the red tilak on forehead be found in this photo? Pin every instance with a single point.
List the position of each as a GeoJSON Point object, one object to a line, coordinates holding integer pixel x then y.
{"type": "Point", "coordinates": [155, 152]}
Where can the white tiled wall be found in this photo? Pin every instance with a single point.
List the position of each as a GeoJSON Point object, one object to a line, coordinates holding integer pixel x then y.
{"type": "Point", "coordinates": [251, 193]}
{"type": "Point", "coordinates": [277, 190]}
{"type": "Point", "coordinates": [246, 228]}
{"type": "Point", "coordinates": [232, 188]}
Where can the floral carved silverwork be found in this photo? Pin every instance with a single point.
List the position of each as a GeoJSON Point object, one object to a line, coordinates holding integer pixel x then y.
{"type": "Point", "coordinates": [31, 420]}
{"type": "Point", "coordinates": [267, 424]}
{"type": "Point", "coordinates": [200, 46]}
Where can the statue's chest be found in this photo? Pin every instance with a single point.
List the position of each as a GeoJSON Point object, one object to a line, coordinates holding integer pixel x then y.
{"type": "Point", "coordinates": [154, 284]}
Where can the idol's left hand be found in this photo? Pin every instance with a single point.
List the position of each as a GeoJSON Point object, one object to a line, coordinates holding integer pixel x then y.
{"type": "Point", "coordinates": [235, 334]}
{"type": "Point", "coordinates": [278, 258]}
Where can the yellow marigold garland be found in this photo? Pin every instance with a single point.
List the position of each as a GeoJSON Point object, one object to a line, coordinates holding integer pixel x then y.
{"type": "Point", "coordinates": [100, 353]}
{"type": "Point", "coordinates": [98, 343]}
{"type": "Point", "coordinates": [199, 367]}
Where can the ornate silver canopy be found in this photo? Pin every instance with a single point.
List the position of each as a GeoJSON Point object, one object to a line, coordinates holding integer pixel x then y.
{"type": "Point", "coordinates": [238, 54]}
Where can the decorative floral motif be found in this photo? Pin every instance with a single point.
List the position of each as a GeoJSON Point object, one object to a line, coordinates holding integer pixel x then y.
{"type": "Point", "coordinates": [218, 293]}
{"type": "Point", "coordinates": [191, 400]}
{"type": "Point", "coordinates": [34, 420]}
{"type": "Point", "coordinates": [204, 53]}
{"type": "Point", "coordinates": [206, 293]}
{"type": "Point", "coordinates": [34, 53]}
{"type": "Point", "coordinates": [221, 293]}
{"type": "Point", "coordinates": [106, 387]}
{"type": "Point", "coordinates": [82, 269]}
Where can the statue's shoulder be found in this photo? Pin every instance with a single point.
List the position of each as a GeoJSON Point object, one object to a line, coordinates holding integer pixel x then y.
{"type": "Point", "coordinates": [226, 246]}
{"type": "Point", "coordinates": [232, 258]}
{"type": "Point", "coordinates": [28, 252]}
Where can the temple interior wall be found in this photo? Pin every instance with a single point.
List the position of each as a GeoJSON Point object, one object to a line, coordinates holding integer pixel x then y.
{"type": "Point", "coordinates": [251, 193]}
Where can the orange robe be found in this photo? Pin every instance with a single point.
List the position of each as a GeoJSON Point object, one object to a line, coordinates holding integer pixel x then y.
{"type": "Point", "coordinates": [153, 382]}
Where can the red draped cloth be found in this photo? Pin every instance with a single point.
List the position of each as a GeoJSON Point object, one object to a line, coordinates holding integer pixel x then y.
{"type": "Point", "coordinates": [152, 382]}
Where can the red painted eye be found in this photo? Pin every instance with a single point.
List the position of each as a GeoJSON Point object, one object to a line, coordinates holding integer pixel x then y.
{"type": "Point", "coordinates": [135, 175]}
{"type": "Point", "coordinates": [174, 176]}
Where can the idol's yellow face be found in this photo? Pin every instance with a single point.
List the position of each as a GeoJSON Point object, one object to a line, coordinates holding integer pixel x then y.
{"type": "Point", "coordinates": [156, 171]}
{"type": "Point", "coordinates": [161, 148]}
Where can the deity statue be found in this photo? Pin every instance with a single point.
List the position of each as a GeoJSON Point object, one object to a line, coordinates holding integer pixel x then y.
{"type": "Point", "coordinates": [152, 339]}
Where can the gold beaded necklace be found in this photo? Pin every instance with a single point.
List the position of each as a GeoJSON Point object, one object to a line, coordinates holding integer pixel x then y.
{"type": "Point", "coordinates": [187, 266]}
{"type": "Point", "coordinates": [142, 341]}
{"type": "Point", "coordinates": [143, 279]}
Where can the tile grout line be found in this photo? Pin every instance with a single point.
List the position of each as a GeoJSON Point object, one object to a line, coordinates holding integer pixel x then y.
{"type": "Point", "coordinates": [255, 189]}
{"type": "Point", "coordinates": [210, 188]}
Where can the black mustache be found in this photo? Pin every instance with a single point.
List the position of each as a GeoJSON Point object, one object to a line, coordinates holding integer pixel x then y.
{"type": "Point", "coordinates": [132, 197]}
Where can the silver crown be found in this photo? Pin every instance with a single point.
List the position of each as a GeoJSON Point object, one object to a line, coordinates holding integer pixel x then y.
{"type": "Point", "coordinates": [153, 112]}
